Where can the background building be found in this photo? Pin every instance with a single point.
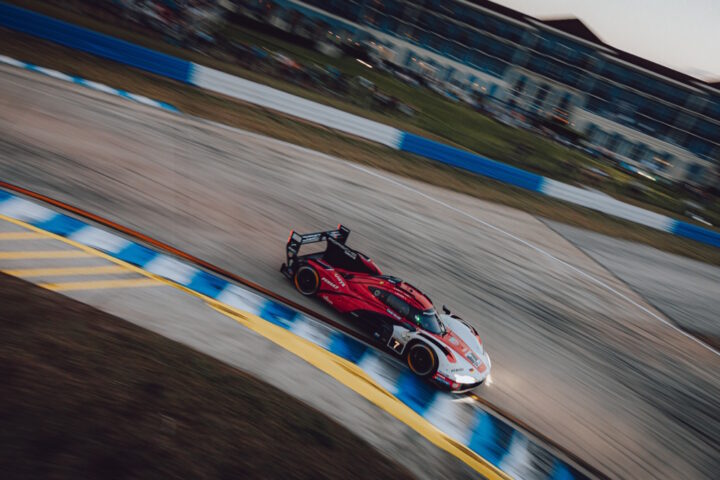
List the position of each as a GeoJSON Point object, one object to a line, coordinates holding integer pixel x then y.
{"type": "Point", "coordinates": [628, 108]}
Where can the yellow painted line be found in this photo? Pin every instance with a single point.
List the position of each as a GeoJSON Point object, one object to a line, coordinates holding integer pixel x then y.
{"type": "Point", "coordinates": [340, 369]}
{"type": "Point", "coordinates": [33, 254]}
{"type": "Point", "coordinates": [91, 252]}
{"type": "Point", "coordinates": [57, 272]}
{"type": "Point", "coordinates": [20, 235]}
{"type": "Point", "coordinates": [352, 376]}
{"type": "Point", "coordinates": [102, 284]}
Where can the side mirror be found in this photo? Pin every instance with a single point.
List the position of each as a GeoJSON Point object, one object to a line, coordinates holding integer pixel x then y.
{"type": "Point", "coordinates": [446, 310]}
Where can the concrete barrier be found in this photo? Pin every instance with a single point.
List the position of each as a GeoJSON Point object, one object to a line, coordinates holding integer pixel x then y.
{"type": "Point", "coordinates": [470, 161]}
{"type": "Point", "coordinates": [94, 43]}
{"type": "Point", "coordinates": [267, 97]}
{"type": "Point", "coordinates": [606, 204]}
{"type": "Point", "coordinates": [88, 84]}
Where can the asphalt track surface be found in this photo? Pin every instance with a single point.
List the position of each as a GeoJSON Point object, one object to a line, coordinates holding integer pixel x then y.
{"type": "Point", "coordinates": [583, 359]}
{"type": "Point", "coordinates": [685, 290]}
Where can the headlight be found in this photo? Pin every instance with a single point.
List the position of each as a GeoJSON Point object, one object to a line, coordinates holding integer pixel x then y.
{"type": "Point", "coordinates": [465, 379]}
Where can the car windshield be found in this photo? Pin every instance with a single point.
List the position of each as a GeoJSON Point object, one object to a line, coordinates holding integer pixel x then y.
{"type": "Point", "coordinates": [428, 320]}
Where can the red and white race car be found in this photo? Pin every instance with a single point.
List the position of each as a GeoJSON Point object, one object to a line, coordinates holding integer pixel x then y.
{"type": "Point", "coordinates": [398, 317]}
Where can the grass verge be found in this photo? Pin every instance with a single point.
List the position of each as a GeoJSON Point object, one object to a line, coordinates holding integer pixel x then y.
{"type": "Point", "coordinates": [88, 395]}
{"type": "Point", "coordinates": [200, 103]}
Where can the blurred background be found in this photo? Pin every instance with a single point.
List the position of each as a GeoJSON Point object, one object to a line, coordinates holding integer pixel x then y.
{"type": "Point", "coordinates": [634, 128]}
{"type": "Point", "coordinates": [603, 329]}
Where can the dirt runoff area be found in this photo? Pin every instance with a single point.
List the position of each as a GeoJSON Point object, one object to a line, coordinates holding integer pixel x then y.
{"type": "Point", "coordinates": [88, 395]}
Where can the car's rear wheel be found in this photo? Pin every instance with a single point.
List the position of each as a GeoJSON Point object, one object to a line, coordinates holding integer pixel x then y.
{"type": "Point", "coordinates": [422, 360]}
{"type": "Point", "coordinates": [307, 280]}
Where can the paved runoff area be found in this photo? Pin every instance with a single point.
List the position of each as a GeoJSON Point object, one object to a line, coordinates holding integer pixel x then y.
{"type": "Point", "coordinates": [577, 354]}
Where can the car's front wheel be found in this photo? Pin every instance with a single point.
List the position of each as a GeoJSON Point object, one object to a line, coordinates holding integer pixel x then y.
{"type": "Point", "coordinates": [422, 360]}
{"type": "Point", "coordinates": [307, 280]}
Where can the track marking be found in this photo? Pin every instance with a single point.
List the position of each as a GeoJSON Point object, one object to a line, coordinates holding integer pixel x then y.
{"type": "Point", "coordinates": [102, 284]}
{"type": "Point", "coordinates": [343, 371]}
{"type": "Point", "coordinates": [355, 378]}
{"type": "Point", "coordinates": [522, 241]}
{"type": "Point", "coordinates": [36, 254]}
{"type": "Point", "coordinates": [20, 235]}
{"type": "Point", "coordinates": [85, 250]}
{"type": "Point", "coordinates": [61, 271]}
{"type": "Point", "coordinates": [543, 252]}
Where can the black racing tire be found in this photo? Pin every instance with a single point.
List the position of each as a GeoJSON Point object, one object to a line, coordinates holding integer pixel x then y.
{"type": "Point", "coordinates": [307, 280]}
{"type": "Point", "coordinates": [422, 360]}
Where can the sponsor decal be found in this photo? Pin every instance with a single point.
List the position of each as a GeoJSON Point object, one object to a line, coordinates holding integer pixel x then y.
{"type": "Point", "coordinates": [340, 280]}
{"type": "Point", "coordinates": [476, 363]}
{"type": "Point", "coordinates": [454, 341]}
{"type": "Point", "coordinates": [450, 383]}
{"type": "Point", "coordinates": [443, 379]}
{"type": "Point", "coordinates": [393, 314]}
{"type": "Point", "coordinates": [473, 359]}
{"type": "Point", "coordinates": [327, 299]}
{"type": "Point", "coordinates": [333, 285]}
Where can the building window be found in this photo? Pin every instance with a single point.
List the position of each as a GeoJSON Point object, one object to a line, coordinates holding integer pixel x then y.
{"type": "Point", "coordinates": [712, 109]}
{"type": "Point", "coordinates": [542, 92]}
{"type": "Point", "coordinates": [565, 102]}
{"type": "Point", "coordinates": [519, 86]}
{"type": "Point", "coordinates": [591, 131]}
{"type": "Point", "coordinates": [695, 172]}
{"type": "Point", "coordinates": [614, 142]}
{"type": "Point", "coordinates": [637, 152]}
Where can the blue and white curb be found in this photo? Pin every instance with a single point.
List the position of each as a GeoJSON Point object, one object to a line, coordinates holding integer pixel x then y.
{"type": "Point", "coordinates": [484, 433]}
{"type": "Point", "coordinates": [213, 80]}
{"type": "Point", "coordinates": [101, 87]}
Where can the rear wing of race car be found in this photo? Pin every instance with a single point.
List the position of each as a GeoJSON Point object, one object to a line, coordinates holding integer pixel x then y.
{"type": "Point", "coordinates": [296, 240]}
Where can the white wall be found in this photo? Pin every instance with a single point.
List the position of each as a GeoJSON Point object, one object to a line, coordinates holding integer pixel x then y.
{"type": "Point", "coordinates": [264, 96]}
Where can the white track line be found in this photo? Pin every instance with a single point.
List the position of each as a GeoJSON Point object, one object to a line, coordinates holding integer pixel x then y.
{"type": "Point", "coordinates": [590, 277]}
{"type": "Point", "coordinates": [534, 247]}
